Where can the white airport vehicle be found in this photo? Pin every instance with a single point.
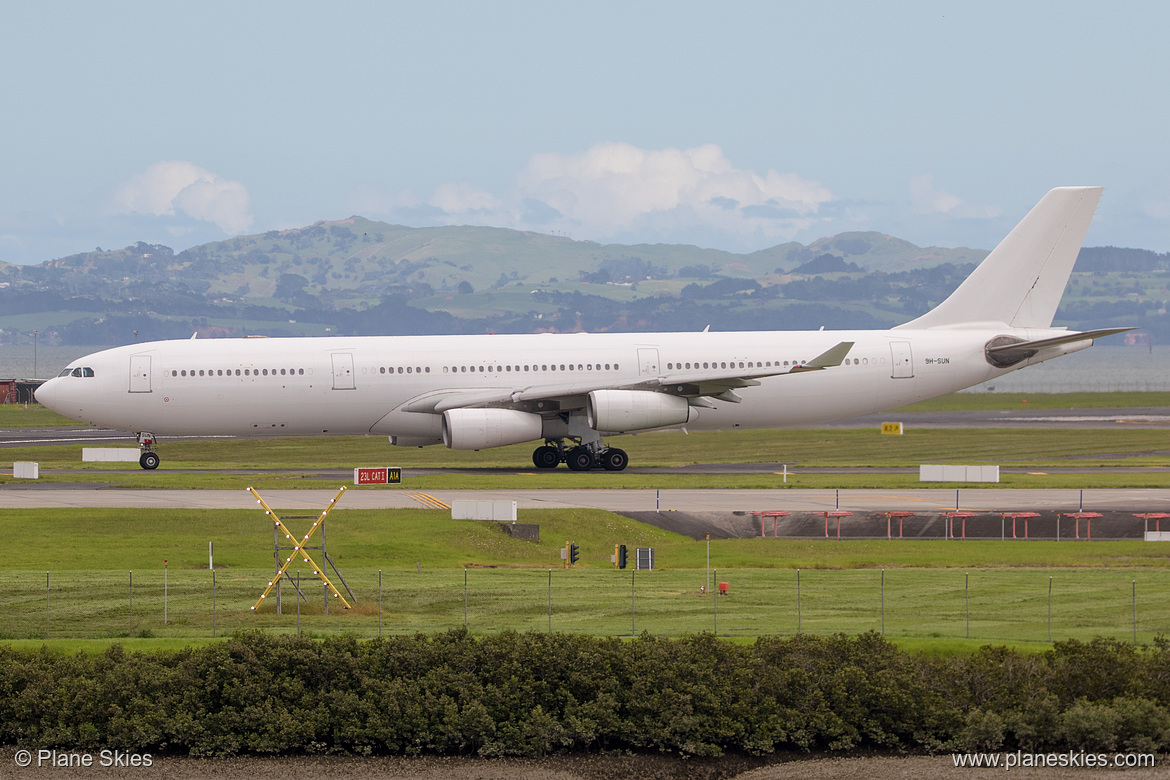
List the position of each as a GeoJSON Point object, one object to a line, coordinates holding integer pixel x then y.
{"type": "Point", "coordinates": [569, 391]}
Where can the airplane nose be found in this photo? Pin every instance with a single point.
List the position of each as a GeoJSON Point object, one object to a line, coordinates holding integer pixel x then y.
{"type": "Point", "coordinates": [48, 394]}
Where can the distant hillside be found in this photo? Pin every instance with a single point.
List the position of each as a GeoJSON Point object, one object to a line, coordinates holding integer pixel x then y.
{"type": "Point", "coordinates": [357, 276]}
{"type": "Point", "coordinates": [356, 260]}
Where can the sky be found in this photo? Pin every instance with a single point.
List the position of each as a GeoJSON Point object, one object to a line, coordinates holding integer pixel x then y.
{"type": "Point", "coordinates": [735, 126]}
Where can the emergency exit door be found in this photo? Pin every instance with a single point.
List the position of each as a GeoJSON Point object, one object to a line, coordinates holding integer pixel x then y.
{"type": "Point", "coordinates": [140, 373]}
{"type": "Point", "coordinates": [903, 360]}
{"type": "Point", "coordinates": [343, 371]}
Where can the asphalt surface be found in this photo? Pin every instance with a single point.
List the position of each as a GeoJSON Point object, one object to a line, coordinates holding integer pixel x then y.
{"type": "Point", "coordinates": [1087, 419]}
{"type": "Point", "coordinates": [931, 500]}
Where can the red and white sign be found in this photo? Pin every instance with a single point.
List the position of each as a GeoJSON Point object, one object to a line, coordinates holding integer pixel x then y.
{"type": "Point", "coordinates": [377, 476]}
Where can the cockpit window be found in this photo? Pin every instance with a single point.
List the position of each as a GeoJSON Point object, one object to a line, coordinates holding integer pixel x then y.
{"type": "Point", "coordinates": [87, 372]}
{"type": "Point", "coordinates": [77, 372]}
{"type": "Point", "coordinates": [80, 371]}
{"type": "Point", "coordinates": [66, 372]}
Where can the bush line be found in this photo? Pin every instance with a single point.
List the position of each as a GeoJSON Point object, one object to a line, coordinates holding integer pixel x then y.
{"type": "Point", "coordinates": [539, 694]}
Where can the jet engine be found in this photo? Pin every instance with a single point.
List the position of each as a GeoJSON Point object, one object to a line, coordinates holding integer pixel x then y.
{"type": "Point", "coordinates": [479, 429]}
{"type": "Point", "coordinates": [618, 411]}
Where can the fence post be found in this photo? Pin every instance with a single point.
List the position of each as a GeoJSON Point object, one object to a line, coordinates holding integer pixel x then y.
{"type": "Point", "coordinates": [213, 603]}
{"type": "Point", "coordinates": [715, 601]}
{"type": "Point", "coordinates": [465, 598]}
{"type": "Point", "coordinates": [967, 599]}
{"type": "Point", "coordinates": [798, 601]}
{"type": "Point", "coordinates": [550, 601]}
{"type": "Point", "coordinates": [1134, 597]}
{"type": "Point", "coordinates": [883, 602]}
{"type": "Point", "coordinates": [46, 605]}
{"type": "Point", "coordinates": [379, 602]}
{"type": "Point", "coordinates": [633, 604]}
{"type": "Point", "coordinates": [1049, 609]}
{"type": "Point", "coordinates": [131, 602]}
{"type": "Point", "coordinates": [164, 592]}
{"type": "Point", "coordinates": [298, 600]}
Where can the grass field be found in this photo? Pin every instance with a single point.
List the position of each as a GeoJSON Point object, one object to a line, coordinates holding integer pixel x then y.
{"type": "Point", "coordinates": [199, 464]}
{"type": "Point", "coordinates": [105, 581]}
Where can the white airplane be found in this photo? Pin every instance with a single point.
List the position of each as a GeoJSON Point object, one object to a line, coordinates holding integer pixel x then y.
{"type": "Point", "coordinates": [568, 391]}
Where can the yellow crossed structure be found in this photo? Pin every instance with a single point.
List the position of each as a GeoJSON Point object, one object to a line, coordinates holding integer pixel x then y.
{"type": "Point", "coordinates": [298, 549]}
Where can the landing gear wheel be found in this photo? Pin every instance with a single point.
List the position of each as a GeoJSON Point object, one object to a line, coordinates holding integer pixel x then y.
{"type": "Point", "coordinates": [614, 459]}
{"type": "Point", "coordinates": [580, 459]}
{"type": "Point", "coordinates": [546, 457]}
{"type": "Point", "coordinates": [149, 461]}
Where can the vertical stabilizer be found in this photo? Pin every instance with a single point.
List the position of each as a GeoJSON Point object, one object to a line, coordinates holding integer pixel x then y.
{"type": "Point", "coordinates": [1021, 282]}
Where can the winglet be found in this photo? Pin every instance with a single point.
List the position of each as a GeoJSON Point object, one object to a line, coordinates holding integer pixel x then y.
{"type": "Point", "coordinates": [831, 357]}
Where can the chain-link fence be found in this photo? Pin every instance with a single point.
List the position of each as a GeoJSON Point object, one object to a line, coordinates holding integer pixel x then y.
{"type": "Point", "coordinates": [994, 605]}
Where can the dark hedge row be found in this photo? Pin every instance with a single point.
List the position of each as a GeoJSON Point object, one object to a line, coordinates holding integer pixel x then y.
{"type": "Point", "coordinates": [533, 694]}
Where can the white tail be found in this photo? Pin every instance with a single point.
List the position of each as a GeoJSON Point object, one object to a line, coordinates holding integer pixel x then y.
{"type": "Point", "coordinates": [1021, 282]}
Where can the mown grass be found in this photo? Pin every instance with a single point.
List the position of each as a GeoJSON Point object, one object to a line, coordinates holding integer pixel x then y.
{"type": "Point", "coordinates": [32, 416]}
{"type": "Point", "coordinates": [802, 449]}
{"type": "Point", "coordinates": [954, 402]}
{"type": "Point", "coordinates": [92, 565]}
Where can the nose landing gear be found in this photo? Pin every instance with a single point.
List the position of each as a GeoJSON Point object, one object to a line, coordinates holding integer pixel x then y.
{"type": "Point", "coordinates": [149, 459]}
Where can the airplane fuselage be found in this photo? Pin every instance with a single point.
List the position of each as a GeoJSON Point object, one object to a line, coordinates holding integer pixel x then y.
{"type": "Point", "coordinates": [365, 385]}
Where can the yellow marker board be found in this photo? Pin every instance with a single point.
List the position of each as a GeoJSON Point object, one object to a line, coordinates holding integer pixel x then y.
{"type": "Point", "coordinates": [893, 428]}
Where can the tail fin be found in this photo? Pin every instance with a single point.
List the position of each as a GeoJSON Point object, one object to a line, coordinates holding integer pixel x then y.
{"type": "Point", "coordinates": [1021, 282]}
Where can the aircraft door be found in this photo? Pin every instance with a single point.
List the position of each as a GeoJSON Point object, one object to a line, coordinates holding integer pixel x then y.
{"type": "Point", "coordinates": [343, 371]}
{"type": "Point", "coordinates": [648, 362]}
{"type": "Point", "coordinates": [903, 360]}
{"type": "Point", "coordinates": [140, 373]}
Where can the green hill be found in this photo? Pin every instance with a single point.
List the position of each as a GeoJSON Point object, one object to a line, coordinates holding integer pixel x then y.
{"type": "Point", "coordinates": [364, 277]}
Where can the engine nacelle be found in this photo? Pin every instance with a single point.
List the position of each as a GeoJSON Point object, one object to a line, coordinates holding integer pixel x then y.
{"type": "Point", "coordinates": [479, 429]}
{"type": "Point", "coordinates": [618, 411]}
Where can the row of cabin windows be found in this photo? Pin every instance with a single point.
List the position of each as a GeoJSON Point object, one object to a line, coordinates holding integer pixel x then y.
{"type": "Point", "coordinates": [752, 364]}
{"type": "Point", "coordinates": [494, 369]}
{"type": "Point", "coordinates": [241, 372]}
{"type": "Point", "coordinates": [407, 370]}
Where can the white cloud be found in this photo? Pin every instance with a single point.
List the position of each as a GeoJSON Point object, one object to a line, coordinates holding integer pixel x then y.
{"type": "Point", "coordinates": [620, 191]}
{"type": "Point", "coordinates": [176, 187]}
{"type": "Point", "coordinates": [463, 198]}
{"type": "Point", "coordinates": [929, 200]}
{"type": "Point", "coordinates": [614, 187]}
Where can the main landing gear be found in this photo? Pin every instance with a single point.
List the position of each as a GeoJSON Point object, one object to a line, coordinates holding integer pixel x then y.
{"type": "Point", "coordinates": [581, 457]}
{"type": "Point", "coordinates": [149, 459]}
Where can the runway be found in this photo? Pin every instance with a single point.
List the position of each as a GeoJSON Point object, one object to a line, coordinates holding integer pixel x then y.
{"type": "Point", "coordinates": [1023, 417]}
{"type": "Point", "coordinates": [622, 501]}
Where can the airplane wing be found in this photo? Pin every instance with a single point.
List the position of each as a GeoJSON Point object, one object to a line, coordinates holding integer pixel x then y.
{"type": "Point", "coordinates": [695, 384]}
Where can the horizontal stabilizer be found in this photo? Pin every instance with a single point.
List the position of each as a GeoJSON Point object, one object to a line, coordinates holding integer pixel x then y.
{"type": "Point", "coordinates": [1006, 352]}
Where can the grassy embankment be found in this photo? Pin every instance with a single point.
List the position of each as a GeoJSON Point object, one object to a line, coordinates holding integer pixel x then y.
{"type": "Point", "coordinates": [424, 556]}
